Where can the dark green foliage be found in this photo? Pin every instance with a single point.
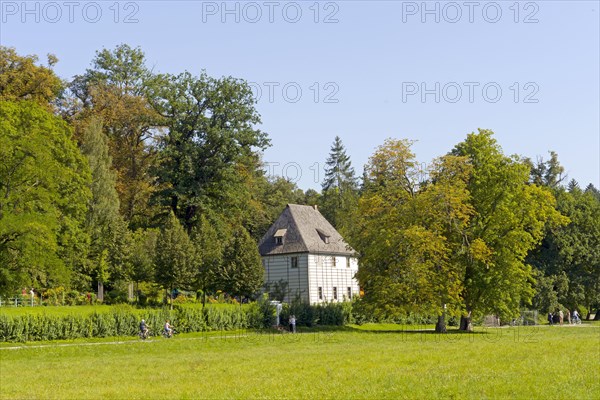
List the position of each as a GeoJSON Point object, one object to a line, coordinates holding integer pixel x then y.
{"type": "Point", "coordinates": [210, 151]}
{"type": "Point", "coordinates": [241, 273]}
{"type": "Point", "coordinates": [44, 186]}
{"type": "Point", "coordinates": [104, 224]}
{"type": "Point", "coordinates": [175, 256]}
{"type": "Point", "coordinates": [209, 246]}
{"type": "Point", "coordinates": [340, 190]}
{"type": "Point", "coordinates": [570, 255]}
{"type": "Point", "coordinates": [325, 314]}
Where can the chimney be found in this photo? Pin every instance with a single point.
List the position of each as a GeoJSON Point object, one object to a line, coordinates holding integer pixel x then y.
{"type": "Point", "coordinates": [316, 207]}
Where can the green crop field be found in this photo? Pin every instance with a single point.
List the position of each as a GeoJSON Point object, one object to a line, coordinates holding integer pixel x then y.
{"type": "Point", "coordinates": [371, 361]}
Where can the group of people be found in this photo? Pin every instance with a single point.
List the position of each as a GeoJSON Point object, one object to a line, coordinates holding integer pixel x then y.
{"type": "Point", "coordinates": [167, 329]}
{"type": "Point", "coordinates": [559, 317]}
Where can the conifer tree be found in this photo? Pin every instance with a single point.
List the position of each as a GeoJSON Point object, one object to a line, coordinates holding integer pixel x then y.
{"type": "Point", "coordinates": [241, 273]}
{"type": "Point", "coordinates": [339, 186]}
{"type": "Point", "coordinates": [175, 255]}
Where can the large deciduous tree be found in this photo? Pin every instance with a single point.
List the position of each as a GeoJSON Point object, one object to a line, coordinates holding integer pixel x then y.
{"type": "Point", "coordinates": [22, 79]}
{"type": "Point", "coordinates": [456, 241]}
{"type": "Point", "coordinates": [510, 217]}
{"type": "Point", "coordinates": [209, 154]}
{"type": "Point", "coordinates": [409, 234]}
{"type": "Point", "coordinates": [116, 89]}
{"type": "Point", "coordinates": [44, 191]}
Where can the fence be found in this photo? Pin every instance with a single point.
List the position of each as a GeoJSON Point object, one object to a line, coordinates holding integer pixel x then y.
{"type": "Point", "coordinates": [19, 302]}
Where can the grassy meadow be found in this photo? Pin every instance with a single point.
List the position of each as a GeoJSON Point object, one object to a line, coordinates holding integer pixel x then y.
{"type": "Point", "coordinates": [369, 361]}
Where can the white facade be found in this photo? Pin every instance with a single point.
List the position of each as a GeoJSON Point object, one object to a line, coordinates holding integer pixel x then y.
{"type": "Point", "coordinates": [305, 257]}
{"type": "Point", "coordinates": [317, 278]}
{"type": "Point", "coordinates": [331, 278]}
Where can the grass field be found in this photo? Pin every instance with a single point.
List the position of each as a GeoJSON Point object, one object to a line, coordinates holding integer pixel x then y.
{"type": "Point", "coordinates": [371, 361]}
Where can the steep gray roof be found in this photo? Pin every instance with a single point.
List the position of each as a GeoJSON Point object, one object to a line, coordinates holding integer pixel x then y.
{"type": "Point", "coordinates": [306, 230]}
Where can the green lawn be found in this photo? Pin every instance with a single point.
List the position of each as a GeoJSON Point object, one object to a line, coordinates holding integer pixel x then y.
{"type": "Point", "coordinates": [373, 361]}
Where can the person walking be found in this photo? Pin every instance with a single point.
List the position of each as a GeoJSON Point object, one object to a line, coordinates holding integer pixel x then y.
{"type": "Point", "coordinates": [550, 318]}
{"type": "Point", "coordinates": [568, 313]}
{"type": "Point", "coordinates": [561, 316]}
{"type": "Point", "coordinates": [168, 330]}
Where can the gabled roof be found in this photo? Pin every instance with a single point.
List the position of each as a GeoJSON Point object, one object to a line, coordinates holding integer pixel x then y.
{"type": "Point", "coordinates": [305, 230]}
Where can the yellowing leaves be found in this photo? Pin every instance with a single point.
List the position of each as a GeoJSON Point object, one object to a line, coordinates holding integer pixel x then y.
{"type": "Point", "coordinates": [479, 251]}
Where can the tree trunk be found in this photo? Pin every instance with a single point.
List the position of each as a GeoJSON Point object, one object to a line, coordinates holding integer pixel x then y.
{"type": "Point", "coordinates": [465, 323]}
{"type": "Point", "coordinates": [440, 327]}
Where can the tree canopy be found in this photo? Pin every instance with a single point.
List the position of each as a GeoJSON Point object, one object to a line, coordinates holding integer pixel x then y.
{"type": "Point", "coordinates": [44, 181]}
{"type": "Point", "coordinates": [124, 174]}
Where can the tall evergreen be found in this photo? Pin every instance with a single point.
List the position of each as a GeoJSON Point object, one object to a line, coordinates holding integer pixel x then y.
{"type": "Point", "coordinates": [175, 256]}
{"type": "Point", "coordinates": [241, 273]}
{"type": "Point", "coordinates": [103, 221]}
{"type": "Point", "coordinates": [339, 185]}
{"type": "Point", "coordinates": [208, 242]}
{"type": "Point", "coordinates": [338, 171]}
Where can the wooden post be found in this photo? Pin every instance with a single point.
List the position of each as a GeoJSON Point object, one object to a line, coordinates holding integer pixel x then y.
{"type": "Point", "coordinates": [100, 291]}
{"type": "Point", "coordinates": [130, 296]}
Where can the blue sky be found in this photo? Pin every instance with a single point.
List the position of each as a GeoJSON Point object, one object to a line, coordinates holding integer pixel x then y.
{"type": "Point", "coordinates": [365, 71]}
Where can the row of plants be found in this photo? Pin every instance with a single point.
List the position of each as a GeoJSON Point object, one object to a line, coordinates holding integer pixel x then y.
{"type": "Point", "coordinates": [124, 320]}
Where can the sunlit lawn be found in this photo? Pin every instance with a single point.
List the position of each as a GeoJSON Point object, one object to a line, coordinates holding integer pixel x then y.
{"type": "Point", "coordinates": [373, 361]}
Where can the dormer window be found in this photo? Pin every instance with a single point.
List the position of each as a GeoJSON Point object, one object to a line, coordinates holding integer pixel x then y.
{"type": "Point", "coordinates": [324, 236]}
{"type": "Point", "coordinates": [278, 236]}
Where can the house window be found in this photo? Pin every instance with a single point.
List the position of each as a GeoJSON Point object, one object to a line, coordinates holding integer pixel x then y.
{"type": "Point", "coordinates": [320, 293]}
{"type": "Point", "coordinates": [347, 262]}
{"type": "Point", "coordinates": [279, 234]}
{"type": "Point", "coordinates": [294, 262]}
{"type": "Point", "coordinates": [324, 236]}
{"type": "Point", "coordinates": [349, 293]}
{"type": "Point", "coordinates": [334, 293]}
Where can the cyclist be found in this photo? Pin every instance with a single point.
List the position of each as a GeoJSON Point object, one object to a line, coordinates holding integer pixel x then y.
{"type": "Point", "coordinates": [576, 318]}
{"type": "Point", "coordinates": [143, 329]}
{"type": "Point", "coordinates": [168, 329]}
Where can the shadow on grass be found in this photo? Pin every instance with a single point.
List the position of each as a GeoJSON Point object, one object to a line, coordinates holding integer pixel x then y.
{"type": "Point", "coordinates": [402, 330]}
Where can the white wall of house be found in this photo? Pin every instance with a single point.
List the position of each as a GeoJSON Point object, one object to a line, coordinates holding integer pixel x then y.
{"type": "Point", "coordinates": [326, 272]}
{"type": "Point", "coordinates": [279, 267]}
{"type": "Point", "coordinates": [315, 278]}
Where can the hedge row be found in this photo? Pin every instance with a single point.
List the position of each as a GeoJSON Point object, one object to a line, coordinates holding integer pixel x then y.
{"type": "Point", "coordinates": [124, 321]}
